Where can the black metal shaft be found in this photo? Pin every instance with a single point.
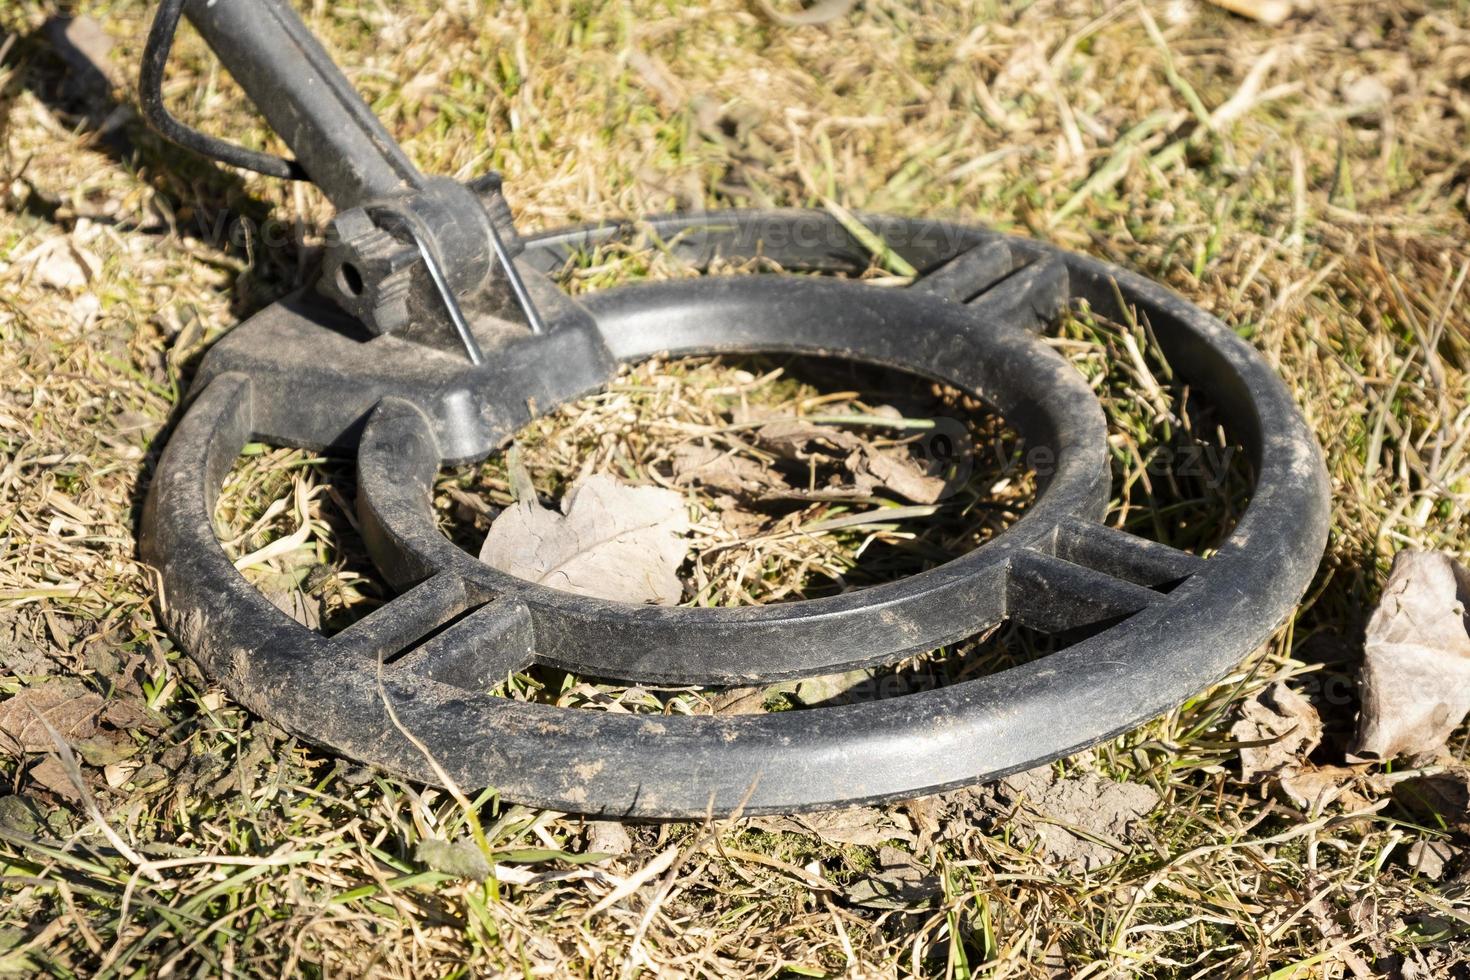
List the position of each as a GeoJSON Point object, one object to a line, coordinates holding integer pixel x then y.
{"type": "Point", "coordinates": [305, 98]}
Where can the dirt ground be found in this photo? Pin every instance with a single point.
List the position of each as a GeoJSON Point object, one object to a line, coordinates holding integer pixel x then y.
{"type": "Point", "coordinates": [1308, 183]}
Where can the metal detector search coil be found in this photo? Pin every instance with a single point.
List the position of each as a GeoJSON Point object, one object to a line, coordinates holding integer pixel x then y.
{"type": "Point", "coordinates": [395, 383]}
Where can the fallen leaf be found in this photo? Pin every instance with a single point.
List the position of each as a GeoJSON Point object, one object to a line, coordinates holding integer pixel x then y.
{"type": "Point", "coordinates": [1415, 680]}
{"type": "Point", "coordinates": [801, 440]}
{"type": "Point", "coordinates": [50, 775]}
{"type": "Point", "coordinates": [127, 715]}
{"type": "Point", "coordinates": [117, 774]}
{"type": "Point", "coordinates": [19, 814]}
{"type": "Point", "coordinates": [610, 540]}
{"type": "Point", "coordinates": [1080, 823]}
{"type": "Point", "coordinates": [869, 467]}
{"type": "Point", "coordinates": [1429, 857]}
{"type": "Point", "coordinates": [900, 473]}
{"type": "Point", "coordinates": [104, 750]}
{"type": "Point", "coordinates": [460, 858]}
{"type": "Point", "coordinates": [69, 708]}
{"type": "Point", "coordinates": [301, 607]}
{"type": "Point", "coordinates": [740, 522]}
{"type": "Point", "coordinates": [721, 470]}
{"type": "Point", "coordinates": [1438, 797]}
{"type": "Point", "coordinates": [608, 837]}
{"type": "Point", "coordinates": [1286, 722]}
{"type": "Point", "coordinates": [900, 883]}
{"type": "Point", "coordinates": [1311, 786]}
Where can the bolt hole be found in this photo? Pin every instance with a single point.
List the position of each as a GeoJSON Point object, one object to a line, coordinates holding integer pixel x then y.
{"type": "Point", "coordinates": [349, 279]}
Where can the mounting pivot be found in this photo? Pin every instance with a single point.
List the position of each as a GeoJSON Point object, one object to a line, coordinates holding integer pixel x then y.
{"type": "Point", "coordinates": [406, 394]}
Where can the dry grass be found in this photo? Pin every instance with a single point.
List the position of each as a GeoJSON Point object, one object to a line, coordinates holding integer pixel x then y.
{"type": "Point", "coordinates": [1308, 184]}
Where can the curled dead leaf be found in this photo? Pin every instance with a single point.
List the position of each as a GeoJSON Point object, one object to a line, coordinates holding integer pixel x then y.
{"type": "Point", "coordinates": [1280, 728]}
{"type": "Point", "coordinates": [1313, 787]}
{"type": "Point", "coordinates": [802, 440]}
{"type": "Point", "coordinates": [722, 471]}
{"type": "Point", "coordinates": [1438, 797]}
{"type": "Point", "coordinates": [1415, 683]}
{"type": "Point", "coordinates": [899, 473]}
{"type": "Point", "coordinates": [869, 467]}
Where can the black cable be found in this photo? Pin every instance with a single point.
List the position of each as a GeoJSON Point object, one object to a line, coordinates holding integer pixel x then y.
{"type": "Point", "coordinates": [150, 94]}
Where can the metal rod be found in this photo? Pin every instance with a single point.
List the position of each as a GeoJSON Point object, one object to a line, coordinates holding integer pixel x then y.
{"type": "Point", "coordinates": [430, 256]}
{"type": "Point", "coordinates": [517, 285]}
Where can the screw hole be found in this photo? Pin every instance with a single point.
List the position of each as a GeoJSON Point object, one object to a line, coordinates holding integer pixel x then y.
{"type": "Point", "coordinates": [349, 279]}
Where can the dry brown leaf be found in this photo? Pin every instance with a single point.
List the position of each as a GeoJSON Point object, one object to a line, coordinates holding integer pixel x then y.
{"type": "Point", "coordinates": [900, 473]}
{"type": "Point", "coordinates": [1440, 796]}
{"type": "Point", "coordinates": [610, 540]}
{"type": "Point", "coordinates": [1284, 720]}
{"type": "Point", "coordinates": [1429, 857]}
{"type": "Point", "coordinates": [608, 837]}
{"type": "Point", "coordinates": [801, 440]}
{"type": "Point", "coordinates": [1049, 809]}
{"type": "Point", "coordinates": [736, 519]}
{"type": "Point", "coordinates": [128, 715]}
{"type": "Point", "coordinates": [301, 607]}
{"type": "Point", "coordinates": [721, 470]}
{"type": "Point", "coordinates": [50, 775]}
{"type": "Point", "coordinates": [900, 882]}
{"type": "Point", "coordinates": [70, 709]}
{"type": "Point", "coordinates": [870, 467]}
{"type": "Point", "coordinates": [1416, 666]}
{"type": "Point", "coordinates": [1311, 786]}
